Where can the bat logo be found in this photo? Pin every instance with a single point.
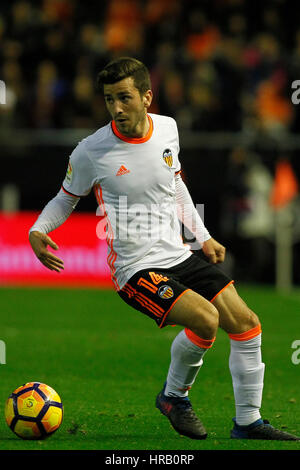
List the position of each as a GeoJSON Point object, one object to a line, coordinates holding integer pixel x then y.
{"type": "Point", "coordinates": [165, 292]}
{"type": "Point", "coordinates": [168, 157]}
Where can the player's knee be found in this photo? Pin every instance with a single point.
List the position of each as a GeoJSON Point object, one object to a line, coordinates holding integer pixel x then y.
{"type": "Point", "coordinates": [206, 322]}
{"type": "Point", "coordinates": [252, 319]}
{"type": "Point", "coordinates": [248, 320]}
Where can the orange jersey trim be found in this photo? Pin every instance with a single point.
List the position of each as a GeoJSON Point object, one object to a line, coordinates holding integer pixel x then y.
{"type": "Point", "coordinates": [133, 140]}
{"type": "Point", "coordinates": [200, 342]}
{"type": "Point", "coordinates": [231, 282]}
{"type": "Point", "coordinates": [247, 334]}
{"type": "Point", "coordinates": [112, 256]}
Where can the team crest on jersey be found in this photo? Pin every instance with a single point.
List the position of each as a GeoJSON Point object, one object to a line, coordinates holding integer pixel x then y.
{"type": "Point", "coordinates": [168, 157]}
{"type": "Point", "coordinates": [165, 292]}
{"type": "Point", "coordinates": [69, 174]}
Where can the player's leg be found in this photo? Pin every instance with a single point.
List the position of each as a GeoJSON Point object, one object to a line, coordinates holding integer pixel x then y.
{"type": "Point", "coordinates": [169, 302]}
{"type": "Point", "coordinates": [245, 362]}
{"type": "Point", "coordinates": [195, 313]}
{"type": "Point", "coordinates": [235, 317]}
{"type": "Point", "coordinates": [246, 366]}
{"type": "Point", "coordinates": [200, 319]}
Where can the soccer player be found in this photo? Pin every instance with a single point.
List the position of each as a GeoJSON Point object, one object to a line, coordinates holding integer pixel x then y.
{"type": "Point", "coordinates": [132, 165]}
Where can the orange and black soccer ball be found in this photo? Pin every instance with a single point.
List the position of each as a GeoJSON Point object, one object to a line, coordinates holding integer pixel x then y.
{"type": "Point", "coordinates": [34, 411]}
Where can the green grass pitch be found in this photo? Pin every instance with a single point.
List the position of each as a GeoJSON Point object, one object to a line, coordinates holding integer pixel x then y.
{"type": "Point", "coordinates": [108, 362]}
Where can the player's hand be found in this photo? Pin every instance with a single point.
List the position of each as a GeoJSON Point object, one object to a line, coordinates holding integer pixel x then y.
{"type": "Point", "coordinates": [214, 251]}
{"type": "Point", "coordinates": [39, 242]}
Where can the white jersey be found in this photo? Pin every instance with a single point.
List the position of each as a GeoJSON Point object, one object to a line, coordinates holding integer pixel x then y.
{"type": "Point", "coordinates": [134, 183]}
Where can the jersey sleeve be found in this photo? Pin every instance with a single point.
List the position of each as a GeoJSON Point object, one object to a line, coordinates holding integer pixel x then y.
{"type": "Point", "coordinates": [80, 175]}
{"type": "Point", "coordinates": [55, 213]}
{"type": "Point", "coordinates": [187, 212]}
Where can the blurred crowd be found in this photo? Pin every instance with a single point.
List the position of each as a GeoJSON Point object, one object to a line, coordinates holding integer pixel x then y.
{"type": "Point", "coordinates": [215, 64]}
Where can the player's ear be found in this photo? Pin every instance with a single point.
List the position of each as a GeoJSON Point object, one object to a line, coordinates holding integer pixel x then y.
{"type": "Point", "coordinates": [147, 98]}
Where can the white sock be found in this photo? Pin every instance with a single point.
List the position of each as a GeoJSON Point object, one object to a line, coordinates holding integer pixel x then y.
{"type": "Point", "coordinates": [186, 361]}
{"type": "Point", "coordinates": [247, 371]}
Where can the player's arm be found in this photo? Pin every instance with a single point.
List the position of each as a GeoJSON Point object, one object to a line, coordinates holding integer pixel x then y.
{"type": "Point", "coordinates": [54, 214]}
{"type": "Point", "coordinates": [78, 182]}
{"type": "Point", "coordinates": [189, 216]}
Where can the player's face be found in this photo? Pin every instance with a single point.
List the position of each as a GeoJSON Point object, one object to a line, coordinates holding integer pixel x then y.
{"type": "Point", "coordinates": [127, 107]}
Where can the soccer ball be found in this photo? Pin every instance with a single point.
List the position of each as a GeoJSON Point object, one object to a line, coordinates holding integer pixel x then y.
{"type": "Point", "coordinates": [34, 411]}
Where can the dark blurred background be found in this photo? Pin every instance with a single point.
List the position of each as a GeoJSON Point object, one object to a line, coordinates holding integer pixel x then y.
{"type": "Point", "coordinates": [222, 68]}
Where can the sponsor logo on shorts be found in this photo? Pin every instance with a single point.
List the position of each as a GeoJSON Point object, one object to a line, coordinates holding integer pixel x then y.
{"type": "Point", "coordinates": [165, 292]}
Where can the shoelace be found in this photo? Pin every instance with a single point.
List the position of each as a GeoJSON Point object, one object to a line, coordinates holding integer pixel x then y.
{"type": "Point", "coordinates": [185, 404]}
{"type": "Point", "coordinates": [191, 416]}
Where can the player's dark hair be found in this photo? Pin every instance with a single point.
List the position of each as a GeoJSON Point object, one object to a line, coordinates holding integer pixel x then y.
{"type": "Point", "coordinates": [124, 67]}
